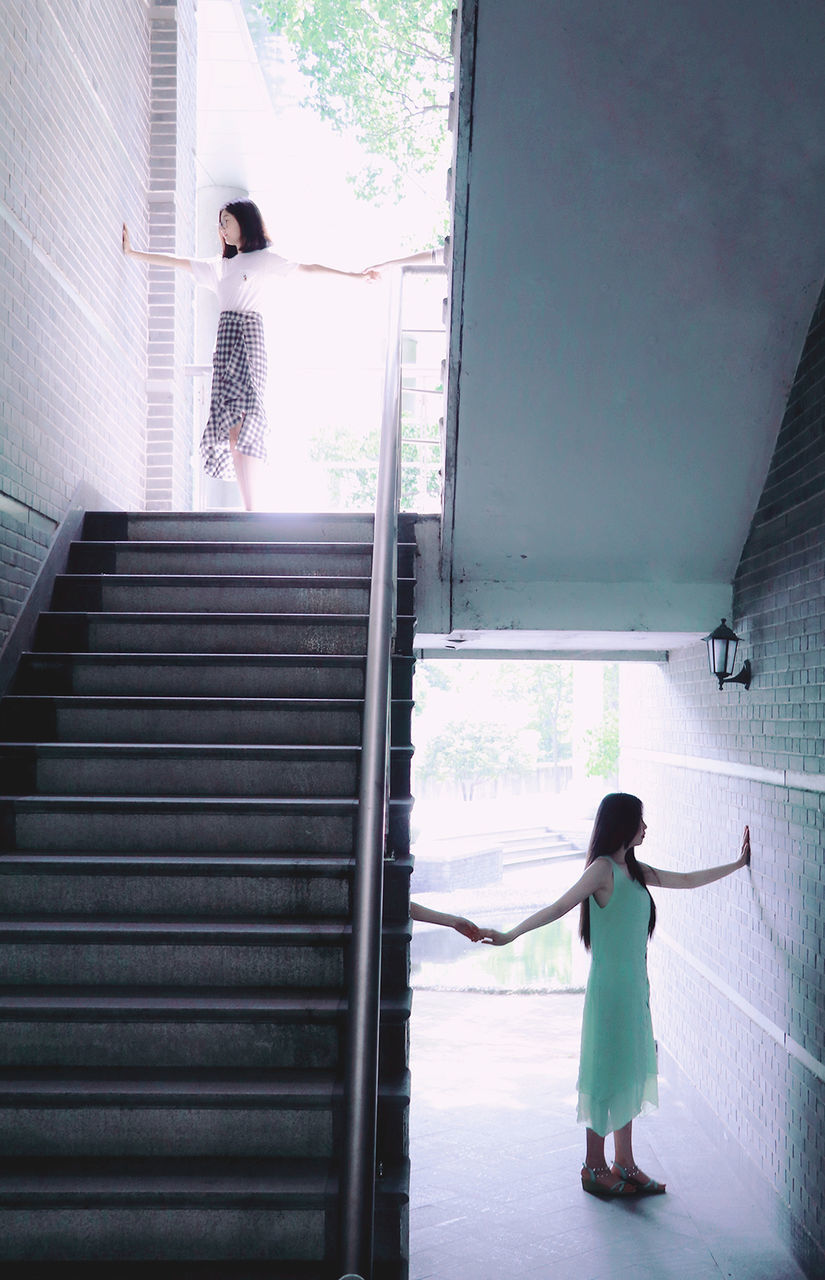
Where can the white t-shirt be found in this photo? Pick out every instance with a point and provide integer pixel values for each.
(241, 282)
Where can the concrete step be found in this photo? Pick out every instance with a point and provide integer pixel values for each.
(181, 1208)
(132, 824)
(396, 1268)
(133, 1027)
(228, 526)
(229, 885)
(198, 952)
(249, 675)
(272, 1114)
(291, 558)
(200, 633)
(302, 559)
(209, 721)
(217, 594)
(263, 721)
(156, 769)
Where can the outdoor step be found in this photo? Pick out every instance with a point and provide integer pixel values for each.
(200, 633)
(154, 769)
(132, 824)
(181, 1208)
(211, 952)
(73, 1026)
(301, 559)
(263, 721)
(249, 675)
(247, 595)
(272, 1114)
(227, 884)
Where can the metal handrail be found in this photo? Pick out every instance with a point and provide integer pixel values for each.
(358, 1165)
(359, 1155)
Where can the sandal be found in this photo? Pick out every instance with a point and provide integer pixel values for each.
(648, 1187)
(591, 1184)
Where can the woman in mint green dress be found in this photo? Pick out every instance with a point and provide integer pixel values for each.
(617, 1068)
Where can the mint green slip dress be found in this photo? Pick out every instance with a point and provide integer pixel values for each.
(617, 1068)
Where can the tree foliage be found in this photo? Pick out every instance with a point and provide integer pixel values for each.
(473, 751)
(548, 688)
(603, 743)
(352, 459)
(380, 68)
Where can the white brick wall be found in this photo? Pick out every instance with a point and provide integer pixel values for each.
(75, 133)
(736, 971)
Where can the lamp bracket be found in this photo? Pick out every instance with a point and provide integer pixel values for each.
(744, 676)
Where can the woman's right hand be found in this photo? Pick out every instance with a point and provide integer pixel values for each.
(745, 852)
(127, 244)
(495, 937)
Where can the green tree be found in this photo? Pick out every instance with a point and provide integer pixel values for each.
(380, 68)
(473, 751)
(603, 743)
(548, 689)
(352, 459)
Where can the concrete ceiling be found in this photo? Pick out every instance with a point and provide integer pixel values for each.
(645, 244)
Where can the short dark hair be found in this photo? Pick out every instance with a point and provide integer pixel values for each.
(618, 818)
(254, 234)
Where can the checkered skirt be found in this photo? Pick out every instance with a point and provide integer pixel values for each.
(238, 381)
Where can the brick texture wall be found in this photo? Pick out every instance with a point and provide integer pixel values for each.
(171, 230)
(76, 145)
(737, 967)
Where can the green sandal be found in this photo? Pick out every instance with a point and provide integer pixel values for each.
(593, 1187)
(649, 1188)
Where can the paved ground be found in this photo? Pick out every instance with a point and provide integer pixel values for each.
(496, 1155)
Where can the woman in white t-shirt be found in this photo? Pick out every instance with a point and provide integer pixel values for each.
(234, 441)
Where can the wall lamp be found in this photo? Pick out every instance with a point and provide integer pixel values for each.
(722, 645)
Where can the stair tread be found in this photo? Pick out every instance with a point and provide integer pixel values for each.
(192, 863)
(187, 1002)
(84, 1086)
(178, 1179)
(188, 864)
(222, 545)
(252, 580)
(189, 928)
(198, 750)
(336, 804)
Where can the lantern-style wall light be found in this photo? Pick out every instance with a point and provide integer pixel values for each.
(722, 645)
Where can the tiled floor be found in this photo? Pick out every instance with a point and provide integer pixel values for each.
(496, 1154)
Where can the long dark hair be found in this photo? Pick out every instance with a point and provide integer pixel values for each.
(617, 820)
(254, 234)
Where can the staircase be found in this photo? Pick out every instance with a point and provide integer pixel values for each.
(180, 762)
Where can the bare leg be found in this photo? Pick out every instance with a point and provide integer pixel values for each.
(249, 472)
(623, 1144)
(595, 1161)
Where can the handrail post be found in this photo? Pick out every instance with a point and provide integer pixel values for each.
(358, 1163)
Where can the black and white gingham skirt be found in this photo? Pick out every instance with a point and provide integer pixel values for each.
(238, 381)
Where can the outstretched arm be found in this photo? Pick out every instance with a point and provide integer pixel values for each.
(428, 256)
(158, 259)
(597, 876)
(317, 268)
(429, 916)
(707, 875)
